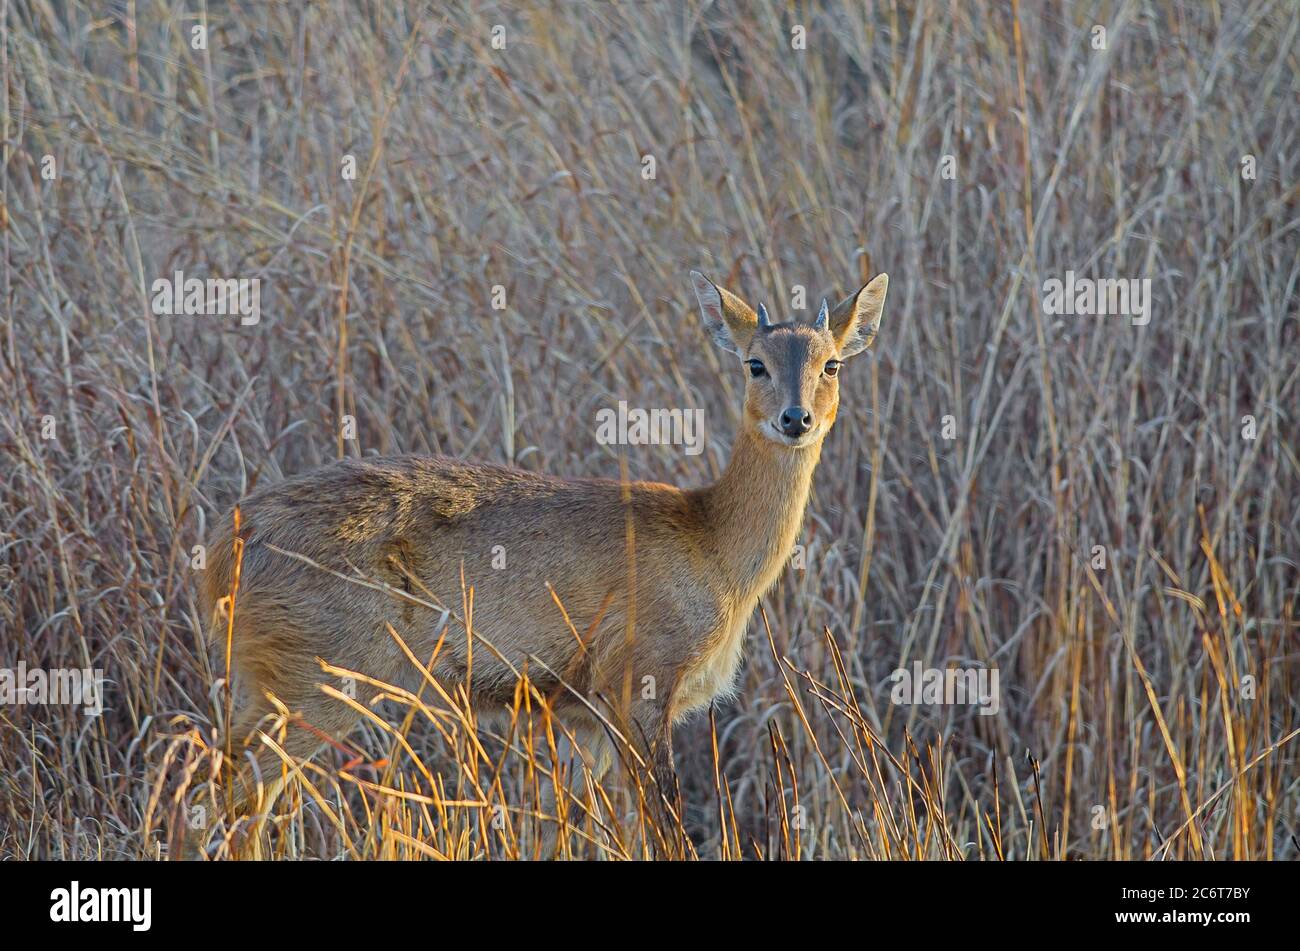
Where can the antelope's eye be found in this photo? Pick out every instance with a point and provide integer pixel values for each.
(832, 367)
(756, 368)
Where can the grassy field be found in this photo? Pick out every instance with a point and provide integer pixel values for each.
(1102, 510)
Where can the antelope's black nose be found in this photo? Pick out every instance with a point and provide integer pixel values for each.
(795, 421)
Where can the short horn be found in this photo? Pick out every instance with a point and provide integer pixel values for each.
(823, 317)
(764, 322)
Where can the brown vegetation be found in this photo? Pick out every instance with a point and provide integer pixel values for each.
(1128, 727)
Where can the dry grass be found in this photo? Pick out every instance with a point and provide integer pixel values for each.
(1121, 688)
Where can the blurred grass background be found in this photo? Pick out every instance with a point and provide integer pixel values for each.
(1125, 730)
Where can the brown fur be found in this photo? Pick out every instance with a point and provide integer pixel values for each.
(660, 581)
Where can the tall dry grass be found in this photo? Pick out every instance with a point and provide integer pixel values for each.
(1127, 728)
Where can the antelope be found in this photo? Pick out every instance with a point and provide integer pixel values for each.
(606, 582)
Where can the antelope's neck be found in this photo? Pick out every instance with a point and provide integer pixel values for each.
(756, 509)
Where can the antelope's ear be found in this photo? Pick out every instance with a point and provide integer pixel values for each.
(728, 319)
(855, 321)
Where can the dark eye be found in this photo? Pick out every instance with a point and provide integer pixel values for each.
(832, 367)
(756, 368)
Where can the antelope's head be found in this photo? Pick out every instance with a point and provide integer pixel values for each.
(792, 368)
